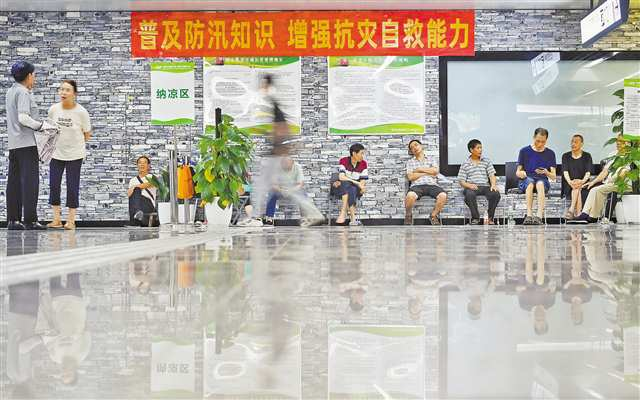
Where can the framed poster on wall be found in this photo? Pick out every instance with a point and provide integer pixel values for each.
(233, 84)
(376, 95)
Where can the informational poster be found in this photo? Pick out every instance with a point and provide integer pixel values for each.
(233, 85)
(245, 366)
(631, 106)
(172, 367)
(376, 96)
(172, 94)
(367, 361)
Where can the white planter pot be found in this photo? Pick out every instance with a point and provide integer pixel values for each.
(164, 213)
(216, 216)
(631, 206)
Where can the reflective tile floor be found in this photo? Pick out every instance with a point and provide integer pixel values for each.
(322, 313)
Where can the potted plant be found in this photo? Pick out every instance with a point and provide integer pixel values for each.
(161, 183)
(628, 185)
(220, 173)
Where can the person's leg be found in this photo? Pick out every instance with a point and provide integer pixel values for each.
(56, 168)
(575, 197)
(470, 199)
(14, 189)
(529, 194)
(30, 181)
(353, 199)
(541, 190)
(441, 200)
(344, 191)
(271, 204)
(73, 190)
(493, 198)
(135, 204)
(409, 202)
(600, 194)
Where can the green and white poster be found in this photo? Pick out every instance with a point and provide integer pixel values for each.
(233, 85)
(376, 95)
(172, 93)
(376, 362)
(631, 106)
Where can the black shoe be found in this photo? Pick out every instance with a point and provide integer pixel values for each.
(35, 226)
(15, 226)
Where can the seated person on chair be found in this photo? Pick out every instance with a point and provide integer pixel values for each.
(594, 205)
(422, 176)
(142, 195)
(576, 170)
(536, 166)
(352, 176)
(288, 181)
(478, 178)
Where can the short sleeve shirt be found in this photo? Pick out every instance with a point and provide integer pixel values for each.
(577, 167)
(135, 182)
(357, 172)
(477, 174)
(73, 123)
(530, 160)
(414, 164)
(19, 100)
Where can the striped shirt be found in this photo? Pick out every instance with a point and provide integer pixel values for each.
(478, 174)
(357, 172)
(414, 164)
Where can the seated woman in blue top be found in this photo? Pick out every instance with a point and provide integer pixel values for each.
(536, 165)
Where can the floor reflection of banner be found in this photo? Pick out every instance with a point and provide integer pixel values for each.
(368, 361)
(248, 368)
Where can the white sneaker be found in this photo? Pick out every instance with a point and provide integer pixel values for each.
(250, 222)
(355, 223)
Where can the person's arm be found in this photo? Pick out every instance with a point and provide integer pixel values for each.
(131, 188)
(588, 167)
(299, 178)
(551, 174)
(24, 110)
(29, 122)
(86, 126)
(491, 171)
(601, 177)
(520, 172)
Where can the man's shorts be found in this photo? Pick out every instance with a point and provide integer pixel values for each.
(526, 181)
(426, 190)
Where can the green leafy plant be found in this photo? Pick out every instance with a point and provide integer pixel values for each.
(223, 163)
(629, 157)
(162, 184)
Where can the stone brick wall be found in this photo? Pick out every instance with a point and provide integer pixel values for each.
(93, 48)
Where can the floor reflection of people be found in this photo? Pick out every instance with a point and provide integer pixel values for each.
(21, 322)
(423, 278)
(576, 289)
(62, 326)
(536, 293)
(346, 273)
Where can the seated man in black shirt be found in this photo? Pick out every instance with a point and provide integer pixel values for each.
(577, 166)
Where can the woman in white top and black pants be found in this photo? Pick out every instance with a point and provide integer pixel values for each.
(75, 131)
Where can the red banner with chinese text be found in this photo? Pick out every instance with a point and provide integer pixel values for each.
(336, 33)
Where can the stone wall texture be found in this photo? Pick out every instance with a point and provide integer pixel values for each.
(93, 48)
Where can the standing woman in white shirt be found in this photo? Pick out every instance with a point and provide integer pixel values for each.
(75, 131)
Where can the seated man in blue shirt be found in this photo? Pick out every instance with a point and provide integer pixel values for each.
(536, 165)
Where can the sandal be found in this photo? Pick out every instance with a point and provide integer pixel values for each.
(54, 224)
(70, 226)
